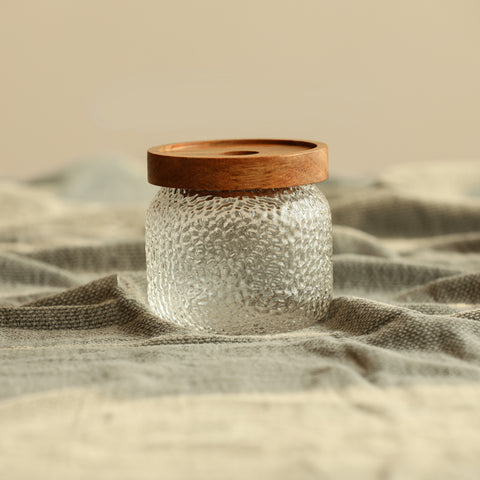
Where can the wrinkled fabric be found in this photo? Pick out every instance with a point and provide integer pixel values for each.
(404, 322)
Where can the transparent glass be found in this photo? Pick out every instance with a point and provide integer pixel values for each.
(240, 262)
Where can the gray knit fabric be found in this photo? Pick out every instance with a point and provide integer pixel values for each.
(73, 310)
(407, 289)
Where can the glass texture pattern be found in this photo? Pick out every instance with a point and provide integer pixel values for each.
(244, 264)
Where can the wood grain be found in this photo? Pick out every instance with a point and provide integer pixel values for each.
(238, 164)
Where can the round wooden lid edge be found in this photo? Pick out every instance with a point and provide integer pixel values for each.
(244, 164)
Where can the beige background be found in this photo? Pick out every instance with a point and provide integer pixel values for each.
(380, 81)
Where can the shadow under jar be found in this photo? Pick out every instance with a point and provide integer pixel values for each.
(238, 239)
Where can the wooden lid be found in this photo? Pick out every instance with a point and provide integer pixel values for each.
(238, 164)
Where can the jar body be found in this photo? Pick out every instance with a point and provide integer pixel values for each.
(239, 262)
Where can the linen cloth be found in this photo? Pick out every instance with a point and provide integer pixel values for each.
(94, 385)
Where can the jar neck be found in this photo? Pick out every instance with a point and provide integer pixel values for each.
(268, 192)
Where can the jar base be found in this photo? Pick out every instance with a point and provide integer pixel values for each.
(248, 321)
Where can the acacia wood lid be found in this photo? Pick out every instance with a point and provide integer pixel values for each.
(238, 164)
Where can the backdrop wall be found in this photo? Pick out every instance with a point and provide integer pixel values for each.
(380, 82)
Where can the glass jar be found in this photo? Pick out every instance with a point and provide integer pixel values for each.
(238, 240)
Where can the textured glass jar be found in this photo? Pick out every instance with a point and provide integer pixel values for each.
(241, 261)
